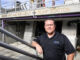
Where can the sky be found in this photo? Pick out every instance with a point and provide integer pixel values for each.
(10, 3)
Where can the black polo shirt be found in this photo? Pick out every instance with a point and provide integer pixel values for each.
(54, 48)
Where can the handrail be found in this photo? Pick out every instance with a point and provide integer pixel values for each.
(14, 48)
(18, 50)
(15, 37)
(6, 58)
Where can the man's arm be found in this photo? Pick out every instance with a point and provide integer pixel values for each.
(70, 56)
(37, 46)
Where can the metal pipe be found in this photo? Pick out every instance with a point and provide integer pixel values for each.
(3, 38)
(6, 58)
(18, 50)
(15, 37)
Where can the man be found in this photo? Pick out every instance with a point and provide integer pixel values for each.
(52, 44)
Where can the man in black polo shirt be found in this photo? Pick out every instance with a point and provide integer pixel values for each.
(52, 44)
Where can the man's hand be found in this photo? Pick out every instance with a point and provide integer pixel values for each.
(39, 49)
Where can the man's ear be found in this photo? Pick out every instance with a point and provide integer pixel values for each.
(55, 26)
(44, 26)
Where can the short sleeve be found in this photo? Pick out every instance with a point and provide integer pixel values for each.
(68, 47)
(37, 40)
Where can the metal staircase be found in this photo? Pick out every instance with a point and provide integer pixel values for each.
(16, 50)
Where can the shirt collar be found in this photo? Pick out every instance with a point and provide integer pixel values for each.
(52, 36)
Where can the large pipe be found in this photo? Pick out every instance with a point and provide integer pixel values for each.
(18, 50)
(15, 37)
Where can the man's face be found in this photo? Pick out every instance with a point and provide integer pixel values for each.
(49, 26)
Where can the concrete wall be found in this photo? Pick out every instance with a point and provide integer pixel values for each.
(70, 31)
(15, 29)
(7, 39)
(28, 32)
(28, 36)
(12, 29)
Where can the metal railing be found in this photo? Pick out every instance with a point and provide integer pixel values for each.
(14, 48)
(14, 37)
(18, 50)
(23, 6)
(27, 5)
